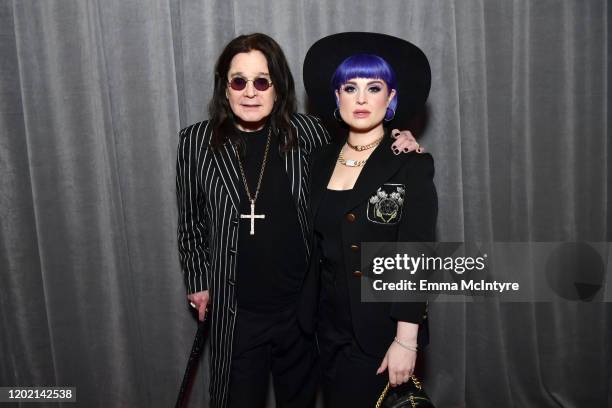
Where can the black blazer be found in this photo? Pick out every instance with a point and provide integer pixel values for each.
(411, 176)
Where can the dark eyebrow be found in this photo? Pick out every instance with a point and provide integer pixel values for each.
(375, 81)
(260, 74)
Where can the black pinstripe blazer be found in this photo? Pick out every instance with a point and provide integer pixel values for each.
(208, 184)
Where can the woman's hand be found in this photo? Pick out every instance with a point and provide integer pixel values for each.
(405, 142)
(400, 363)
(401, 355)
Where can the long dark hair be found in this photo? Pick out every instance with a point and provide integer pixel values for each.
(220, 113)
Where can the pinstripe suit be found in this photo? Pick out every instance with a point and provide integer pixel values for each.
(208, 184)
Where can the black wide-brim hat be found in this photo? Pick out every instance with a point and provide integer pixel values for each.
(407, 60)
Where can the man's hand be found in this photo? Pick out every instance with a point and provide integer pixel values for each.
(200, 300)
(405, 142)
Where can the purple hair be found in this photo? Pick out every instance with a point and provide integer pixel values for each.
(366, 66)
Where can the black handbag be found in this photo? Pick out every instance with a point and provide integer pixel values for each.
(192, 363)
(407, 395)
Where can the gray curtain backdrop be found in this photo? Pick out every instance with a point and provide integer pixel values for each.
(93, 93)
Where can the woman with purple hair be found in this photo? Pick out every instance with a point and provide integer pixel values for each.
(361, 192)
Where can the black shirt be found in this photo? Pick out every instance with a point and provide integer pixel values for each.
(334, 301)
(271, 263)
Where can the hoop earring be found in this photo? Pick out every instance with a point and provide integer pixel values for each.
(337, 115)
(387, 114)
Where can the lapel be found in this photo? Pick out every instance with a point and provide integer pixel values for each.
(226, 159)
(293, 166)
(380, 167)
(322, 173)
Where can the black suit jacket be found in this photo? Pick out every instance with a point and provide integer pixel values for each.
(409, 175)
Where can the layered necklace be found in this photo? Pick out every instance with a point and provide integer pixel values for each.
(359, 148)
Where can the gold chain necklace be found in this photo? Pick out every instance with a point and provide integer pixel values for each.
(361, 148)
(252, 216)
(350, 162)
(357, 163)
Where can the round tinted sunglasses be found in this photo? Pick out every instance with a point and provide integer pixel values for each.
(239, 83)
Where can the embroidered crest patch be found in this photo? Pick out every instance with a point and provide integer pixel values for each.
(385, 206)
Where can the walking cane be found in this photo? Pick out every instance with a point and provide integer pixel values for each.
(192, 362)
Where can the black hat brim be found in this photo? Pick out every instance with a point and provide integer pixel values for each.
(407, 60)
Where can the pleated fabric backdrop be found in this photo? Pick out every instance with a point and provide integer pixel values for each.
(93, 93)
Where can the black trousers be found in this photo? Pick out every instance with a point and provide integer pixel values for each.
(272, 342)
(348, 374)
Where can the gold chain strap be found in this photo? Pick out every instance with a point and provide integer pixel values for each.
(417, 384)
(382, 396)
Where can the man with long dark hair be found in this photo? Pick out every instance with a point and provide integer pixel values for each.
(242, 187)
